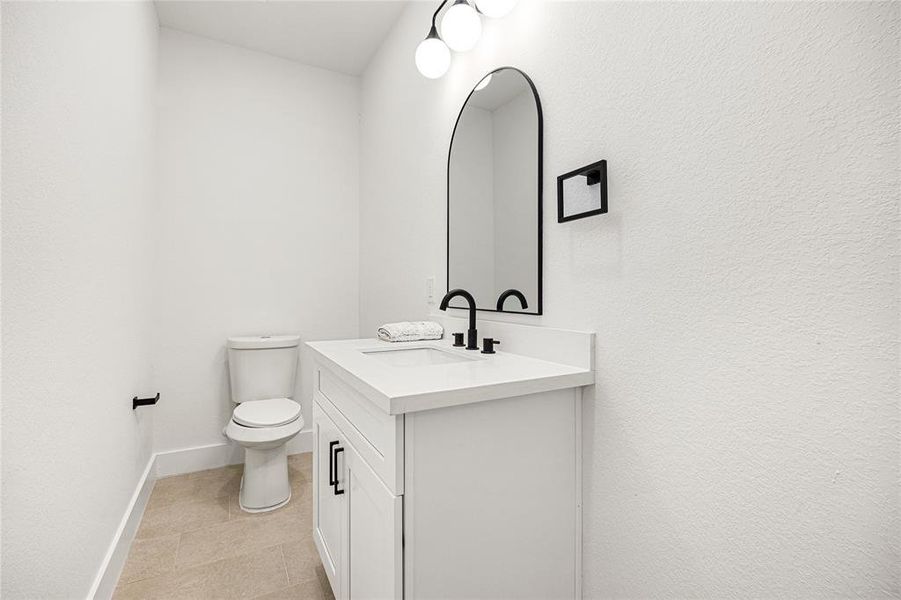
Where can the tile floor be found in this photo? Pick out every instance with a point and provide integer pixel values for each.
(195, 542)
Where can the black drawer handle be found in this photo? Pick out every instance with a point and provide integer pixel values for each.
(335, 485)
(331, 462)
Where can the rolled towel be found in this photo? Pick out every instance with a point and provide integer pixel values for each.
(411, 331)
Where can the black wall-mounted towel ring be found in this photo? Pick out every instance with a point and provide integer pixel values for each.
(136, 402)
(576, 200)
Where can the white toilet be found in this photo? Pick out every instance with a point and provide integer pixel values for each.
(262, 371)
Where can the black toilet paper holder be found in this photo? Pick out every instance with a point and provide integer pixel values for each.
(136, 402)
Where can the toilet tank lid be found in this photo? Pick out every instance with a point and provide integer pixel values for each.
(248, 342)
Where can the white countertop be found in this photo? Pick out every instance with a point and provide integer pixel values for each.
(398, 390)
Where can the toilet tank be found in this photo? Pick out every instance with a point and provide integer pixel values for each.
(262, 367)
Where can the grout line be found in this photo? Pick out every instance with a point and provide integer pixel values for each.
(177, 550)
(281, 549)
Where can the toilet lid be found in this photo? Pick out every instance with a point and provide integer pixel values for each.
(266, 413)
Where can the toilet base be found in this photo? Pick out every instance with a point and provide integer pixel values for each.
(265, 485)
(267, 509)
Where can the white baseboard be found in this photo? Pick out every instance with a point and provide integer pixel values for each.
(199, 458)
(163, 464)
(108, 575)
(213, 456)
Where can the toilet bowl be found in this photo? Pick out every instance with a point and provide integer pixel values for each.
(262, 375)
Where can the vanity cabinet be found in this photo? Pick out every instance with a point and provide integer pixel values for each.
(330, 510)
(472, 498)
(357, 520)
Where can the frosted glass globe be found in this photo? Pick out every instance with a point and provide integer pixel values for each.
(432, 57)
(495, 8)
(461, 27)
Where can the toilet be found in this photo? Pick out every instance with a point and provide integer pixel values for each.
(262, 372)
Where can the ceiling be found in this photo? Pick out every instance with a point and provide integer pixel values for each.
(340, 35)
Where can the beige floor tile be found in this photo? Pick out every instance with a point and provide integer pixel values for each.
(310, 590)
(301, 560)
(247, 576)
(301, 461)
(194, 541)
(182, 516)
(301, 481)
(215, 483)
(149, 558)
(241, 536)
(170, 489)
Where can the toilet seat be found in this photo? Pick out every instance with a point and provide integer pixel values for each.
(272, 412)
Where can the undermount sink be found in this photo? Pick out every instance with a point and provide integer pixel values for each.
(416, 357)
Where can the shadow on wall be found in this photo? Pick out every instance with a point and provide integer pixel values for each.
(596, 246)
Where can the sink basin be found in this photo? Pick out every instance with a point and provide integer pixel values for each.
(415, 357)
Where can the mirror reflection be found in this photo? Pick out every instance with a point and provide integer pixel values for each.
(494, 187)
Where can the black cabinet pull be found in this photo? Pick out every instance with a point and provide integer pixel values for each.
(337, 491)
(331, 462)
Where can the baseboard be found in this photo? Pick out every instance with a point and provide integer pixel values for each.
(108, 575)
(213, 456)
(163, 464)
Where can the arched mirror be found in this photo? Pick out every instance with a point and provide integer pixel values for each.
(494, 194)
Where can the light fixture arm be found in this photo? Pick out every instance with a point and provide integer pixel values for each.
(435, 16)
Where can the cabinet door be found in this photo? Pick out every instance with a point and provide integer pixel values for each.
(329, 500)
(375, 553)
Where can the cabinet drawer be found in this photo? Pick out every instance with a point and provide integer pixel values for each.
(377, 436)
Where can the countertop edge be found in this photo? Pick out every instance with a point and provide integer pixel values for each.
(399, 405)
(446, 398)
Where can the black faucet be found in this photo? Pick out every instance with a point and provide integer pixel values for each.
(472, 336)
(507, 294)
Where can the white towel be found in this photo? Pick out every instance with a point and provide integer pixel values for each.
(411, 331)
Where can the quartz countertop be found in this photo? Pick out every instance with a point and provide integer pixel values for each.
(402, 389)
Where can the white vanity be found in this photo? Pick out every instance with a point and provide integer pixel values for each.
(446, 473)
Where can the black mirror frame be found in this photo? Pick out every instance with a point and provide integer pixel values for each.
(539, 304)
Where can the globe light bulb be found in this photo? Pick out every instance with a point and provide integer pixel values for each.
(495, 9)
(484, 83)
(461, 27)
(432, 56)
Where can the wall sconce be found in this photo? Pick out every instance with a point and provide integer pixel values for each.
(461, 28)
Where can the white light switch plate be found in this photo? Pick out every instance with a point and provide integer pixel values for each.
(430, 290)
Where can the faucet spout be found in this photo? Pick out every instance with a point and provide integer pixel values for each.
(511, 292)
(472, 335)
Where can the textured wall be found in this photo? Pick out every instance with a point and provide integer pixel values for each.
(78, 87)
(258, 191)
(743, 436)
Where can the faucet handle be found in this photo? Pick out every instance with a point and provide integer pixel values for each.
(488, 345)
(458, 339)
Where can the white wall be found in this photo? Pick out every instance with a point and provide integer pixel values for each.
(78, 86)
(258, 194)
(743, 436)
